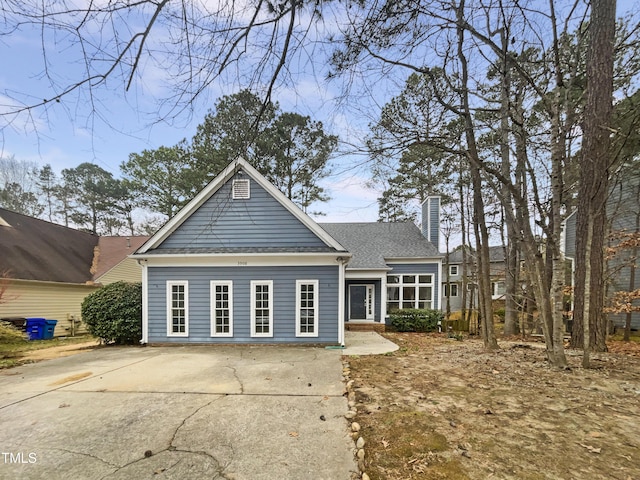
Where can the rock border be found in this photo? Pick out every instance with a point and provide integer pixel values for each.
(356, 434)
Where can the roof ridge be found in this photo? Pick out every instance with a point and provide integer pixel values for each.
(54, 224)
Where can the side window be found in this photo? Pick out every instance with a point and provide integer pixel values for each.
(177, 309)
(222, 309)
(262, 308)
(307, 308)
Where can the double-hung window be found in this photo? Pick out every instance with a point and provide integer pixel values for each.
(307, 308)
(262, 308)
(221, 308)
(451, 290)
(409, 291)
(177, 309)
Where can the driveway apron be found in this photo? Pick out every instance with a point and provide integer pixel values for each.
(245, 412)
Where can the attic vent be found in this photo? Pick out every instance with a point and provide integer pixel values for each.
(241, 189)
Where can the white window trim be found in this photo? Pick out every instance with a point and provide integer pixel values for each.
(451, 268)
(447, 291)
(214, 284)
(170, 285)
(316, 298)
(254, 284)
(416, 285)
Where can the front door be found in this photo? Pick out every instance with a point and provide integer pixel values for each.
(361, 302)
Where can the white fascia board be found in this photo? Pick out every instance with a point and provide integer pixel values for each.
(399, 260)
(241, 261)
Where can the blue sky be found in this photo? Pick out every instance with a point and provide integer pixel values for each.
(71, 132)
(68, 134)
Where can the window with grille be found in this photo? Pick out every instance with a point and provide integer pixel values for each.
(307, 308)
(409, 291)
(221, 309)
(261, 308)
(178, 309)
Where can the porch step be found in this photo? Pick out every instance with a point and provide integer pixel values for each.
(365, 327)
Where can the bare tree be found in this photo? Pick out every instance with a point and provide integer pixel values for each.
(190, 43)
(591, 225)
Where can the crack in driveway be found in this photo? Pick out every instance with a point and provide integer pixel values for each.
(235, 374)
(299, 429)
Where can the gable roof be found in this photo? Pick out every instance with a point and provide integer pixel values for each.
(111, 251)
(372, 243)
(496, 254)
(35, 249)
(238, 165)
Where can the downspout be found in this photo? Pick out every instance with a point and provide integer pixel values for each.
(440, 287)
(145, 303)
(341, 294)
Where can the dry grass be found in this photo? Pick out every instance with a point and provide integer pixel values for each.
(15, 353)
(441, 409)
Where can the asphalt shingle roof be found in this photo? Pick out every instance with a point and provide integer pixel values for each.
(371, 243)
(113, 250)
(33, 249)
(496, 254)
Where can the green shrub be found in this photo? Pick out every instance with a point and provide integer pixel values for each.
(114, 313)
(11, 334)
(416, 320)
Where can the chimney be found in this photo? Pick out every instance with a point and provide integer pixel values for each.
(431, 220)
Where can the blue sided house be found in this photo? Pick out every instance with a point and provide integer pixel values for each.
(241, 263)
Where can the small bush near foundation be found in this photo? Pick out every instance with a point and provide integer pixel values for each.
(114, 313)
(416, 320)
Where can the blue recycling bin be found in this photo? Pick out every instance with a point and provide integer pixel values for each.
(36, 328)
(49, 328)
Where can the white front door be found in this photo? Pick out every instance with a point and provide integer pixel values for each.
(361, 302)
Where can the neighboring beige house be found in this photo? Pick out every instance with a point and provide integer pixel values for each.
(49, 269)
(111, 262)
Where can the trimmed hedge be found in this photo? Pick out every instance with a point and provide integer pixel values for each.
(114, 313)
(416, 320)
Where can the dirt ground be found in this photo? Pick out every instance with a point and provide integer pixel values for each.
(445, 409)
(57, 352)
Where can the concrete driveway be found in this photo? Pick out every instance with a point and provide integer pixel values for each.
(177, 413)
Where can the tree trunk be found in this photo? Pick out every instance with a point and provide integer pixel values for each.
(538, 278)
(554, 258)
(594, 176)
(510, 263)
(586, 327)
(465, 265)
(480, 225)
